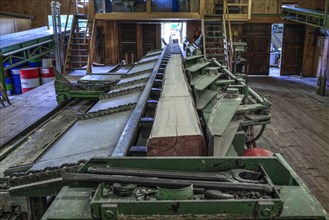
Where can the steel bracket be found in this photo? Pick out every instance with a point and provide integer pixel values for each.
(264, 210)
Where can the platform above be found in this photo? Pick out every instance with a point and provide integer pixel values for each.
(310, 17)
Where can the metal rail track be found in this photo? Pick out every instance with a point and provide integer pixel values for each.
(118, 114)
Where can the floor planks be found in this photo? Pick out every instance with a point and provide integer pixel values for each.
(25, 110)
(299, 130)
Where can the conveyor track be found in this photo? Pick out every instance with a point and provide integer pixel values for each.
(29, 146)
(109, 128)
(98, 132)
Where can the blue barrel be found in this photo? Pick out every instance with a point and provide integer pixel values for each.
(34, 62)
(16, 81)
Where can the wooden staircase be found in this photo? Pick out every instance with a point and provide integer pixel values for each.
(238, 10)
(216, 42)
(78, 45)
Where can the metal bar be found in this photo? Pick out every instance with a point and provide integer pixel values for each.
(228, 176)
(67, 21)
(162, 182)
(250, 90)
(25, 58)
(230, 55)
(26, 48)
(131, 128)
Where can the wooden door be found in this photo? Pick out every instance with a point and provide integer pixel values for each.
(292, 49)
(258, 38)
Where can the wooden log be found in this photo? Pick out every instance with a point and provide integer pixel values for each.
(176, 130)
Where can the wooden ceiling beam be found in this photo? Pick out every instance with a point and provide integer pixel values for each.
(155, 16)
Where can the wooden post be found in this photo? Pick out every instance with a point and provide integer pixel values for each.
(91, 48)
(224, 9)
(249, 9)
(91, 10)
(132, 58)
(202, 7)
(158, 36)
(203, 30)
(139, 41)
(126, 58)
(148, 6)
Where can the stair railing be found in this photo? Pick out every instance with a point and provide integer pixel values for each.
(67, 55)
(229, 45)
(244, 15)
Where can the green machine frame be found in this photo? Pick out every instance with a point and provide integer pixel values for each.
(291, 199)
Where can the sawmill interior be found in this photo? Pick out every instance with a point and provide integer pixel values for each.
(164, 109)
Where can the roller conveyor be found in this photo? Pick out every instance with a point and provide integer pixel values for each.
(98, 136)
(18, 40)
(93, 173)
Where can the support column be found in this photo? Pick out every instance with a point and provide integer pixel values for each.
(139, 41)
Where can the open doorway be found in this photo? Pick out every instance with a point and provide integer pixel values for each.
(276, 49)
(173, 31)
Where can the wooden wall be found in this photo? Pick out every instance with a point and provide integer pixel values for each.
(38, 8)
(41, 8)
(107, 45)
(274, 6)
(11, 25)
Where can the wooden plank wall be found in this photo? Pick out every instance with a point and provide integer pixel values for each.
(38, 8)
(11, 25)
(109, 46)
(309, 57)
(41, 8)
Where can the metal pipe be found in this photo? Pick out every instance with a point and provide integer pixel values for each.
(228, 176)
(167, 183)
(231, 75)
(26, 48)
(258, 136)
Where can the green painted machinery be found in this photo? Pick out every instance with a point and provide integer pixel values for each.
(100, 177)
(88, 87)
(260, 193)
